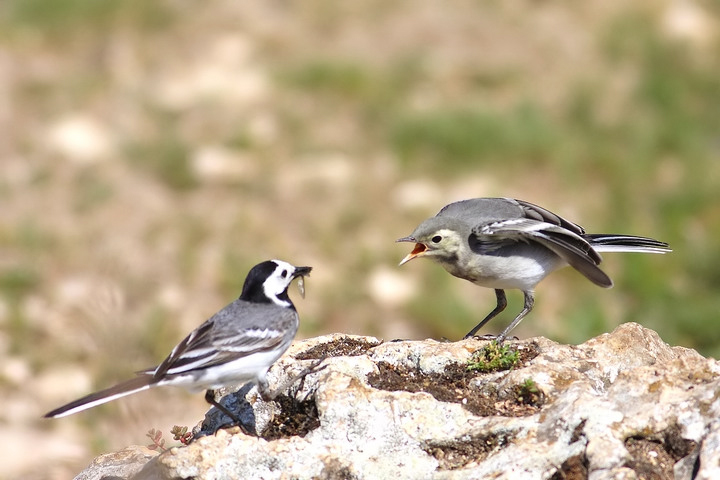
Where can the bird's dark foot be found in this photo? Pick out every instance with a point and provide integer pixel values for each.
(487, 336)
(500, 339)
(269, 395)
(313, 368)
(210, 398)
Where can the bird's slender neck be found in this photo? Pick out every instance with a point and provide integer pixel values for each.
(282, 299)
(258, 293)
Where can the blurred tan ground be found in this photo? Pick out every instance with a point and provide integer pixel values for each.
(112, 253)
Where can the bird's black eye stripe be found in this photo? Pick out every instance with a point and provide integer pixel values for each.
(436, 239)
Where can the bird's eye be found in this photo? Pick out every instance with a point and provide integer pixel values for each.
(284, 274)
(436, 239)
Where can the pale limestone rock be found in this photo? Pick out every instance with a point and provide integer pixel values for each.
(123, 464)
(617, 406)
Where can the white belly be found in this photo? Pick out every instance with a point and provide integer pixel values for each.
(506, 272)
(240, 371)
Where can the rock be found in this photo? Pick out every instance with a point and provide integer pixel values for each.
(118, 465)
(622, 405)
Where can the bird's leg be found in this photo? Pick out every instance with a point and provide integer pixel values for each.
(210, 398)
(269, 395)
(501, 304)
(529, 303)
(264, 389)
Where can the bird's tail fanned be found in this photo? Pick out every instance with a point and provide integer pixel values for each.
(626, 243)
(137, 384)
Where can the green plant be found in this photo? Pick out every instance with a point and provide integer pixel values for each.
(493, 357)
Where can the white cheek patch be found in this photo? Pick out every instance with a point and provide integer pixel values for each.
(273, 287)
(276, 283)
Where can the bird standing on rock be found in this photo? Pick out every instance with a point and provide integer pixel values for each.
(238, 344)
(503, 243)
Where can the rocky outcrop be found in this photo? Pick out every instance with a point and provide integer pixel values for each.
(622, 405)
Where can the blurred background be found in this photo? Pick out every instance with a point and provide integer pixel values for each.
(152, 152)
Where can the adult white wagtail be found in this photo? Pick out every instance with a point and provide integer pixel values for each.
(236, 345)
(503, 243)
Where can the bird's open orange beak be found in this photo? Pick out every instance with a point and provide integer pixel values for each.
(418, 251)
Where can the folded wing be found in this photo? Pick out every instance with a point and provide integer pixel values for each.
(567, 244)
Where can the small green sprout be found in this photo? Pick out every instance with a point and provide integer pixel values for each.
(528, 392)
(530, 386)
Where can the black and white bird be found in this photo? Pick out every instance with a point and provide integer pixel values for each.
(503, 243)
(236, 345)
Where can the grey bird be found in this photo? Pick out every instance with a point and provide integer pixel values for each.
(503, 243)
(237, 345)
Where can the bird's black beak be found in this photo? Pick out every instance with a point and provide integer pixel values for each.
(301, 272)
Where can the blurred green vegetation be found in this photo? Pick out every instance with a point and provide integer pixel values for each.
(350, 108)
(458, 137)
(16, 284)
(167, 159)
(65, 18)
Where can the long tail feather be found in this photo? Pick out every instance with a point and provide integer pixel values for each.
(128, 387)
(626, 243)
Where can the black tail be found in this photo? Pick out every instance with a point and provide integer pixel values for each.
(142, 382)
(626, 243)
